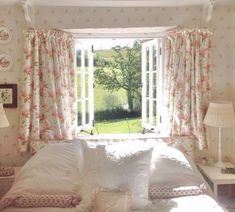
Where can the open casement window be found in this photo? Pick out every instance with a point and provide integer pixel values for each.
(84, 55)
(152, 85)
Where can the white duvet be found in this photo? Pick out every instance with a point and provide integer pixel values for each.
(45, 171)
(200, 203)
(56, 170)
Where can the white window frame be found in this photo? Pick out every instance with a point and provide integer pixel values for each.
(148, 119)
(147, 125)
(86, 124)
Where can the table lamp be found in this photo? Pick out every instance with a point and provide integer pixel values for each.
(3, 118)
(220, 114)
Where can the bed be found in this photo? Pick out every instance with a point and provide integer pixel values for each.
(57, 171)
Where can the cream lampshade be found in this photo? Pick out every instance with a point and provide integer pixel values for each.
(3, 118)
(220, 114)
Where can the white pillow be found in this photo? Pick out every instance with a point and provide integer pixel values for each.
(171, 169)
(104, 167)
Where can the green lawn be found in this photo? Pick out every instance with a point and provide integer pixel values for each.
(119, 126)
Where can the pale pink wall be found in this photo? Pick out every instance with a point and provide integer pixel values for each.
(12, 17)
(74, 17)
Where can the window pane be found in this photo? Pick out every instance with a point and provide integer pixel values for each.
(79, 86)
(79, 58)
(86, 85)
(147, 111)
(154, 85)
(87, 111)
(155, 113)
(147, 59)
(86, 61)
(147, 85)
(154, 58)
(79, 114)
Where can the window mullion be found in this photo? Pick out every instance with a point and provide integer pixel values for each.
(91, 82)
(159, 83)
(144, 101)
(83, 87)
(151, 85)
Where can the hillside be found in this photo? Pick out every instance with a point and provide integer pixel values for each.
(104, 53)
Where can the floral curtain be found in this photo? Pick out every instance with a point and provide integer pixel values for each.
(188, 82)
(48, 93)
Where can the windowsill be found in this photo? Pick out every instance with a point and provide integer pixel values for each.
(121, 136)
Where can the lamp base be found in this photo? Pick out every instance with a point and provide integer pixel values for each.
(220, 164)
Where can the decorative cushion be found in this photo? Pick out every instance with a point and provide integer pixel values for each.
(111, 200)
(114, 166)
(5, 202)
(36, 201)
(6, 171)
(156, 192)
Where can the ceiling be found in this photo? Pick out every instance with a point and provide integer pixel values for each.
(120, 3)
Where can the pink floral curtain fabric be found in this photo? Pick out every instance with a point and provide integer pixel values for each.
(188, 82)
(48, 95)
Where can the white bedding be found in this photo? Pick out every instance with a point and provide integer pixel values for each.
(58, 163)
(54, 170)
(198, 203)
(45, 171)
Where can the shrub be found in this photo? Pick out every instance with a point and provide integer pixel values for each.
(116, 113)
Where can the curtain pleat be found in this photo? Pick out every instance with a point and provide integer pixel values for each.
(48, 93)
(188, 82)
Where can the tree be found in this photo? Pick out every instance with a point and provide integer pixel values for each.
(122, 70)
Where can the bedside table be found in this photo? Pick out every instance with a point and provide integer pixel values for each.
(6, 182)
(214, 175)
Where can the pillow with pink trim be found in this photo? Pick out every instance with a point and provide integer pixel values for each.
(37, 201)
(172, 174)
(159, 192)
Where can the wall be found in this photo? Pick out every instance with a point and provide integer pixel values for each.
(223, 79)
(12, 17)
(74, 17)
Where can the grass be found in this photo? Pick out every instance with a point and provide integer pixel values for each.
(119, 126)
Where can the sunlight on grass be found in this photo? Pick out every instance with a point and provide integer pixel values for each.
(119, 126)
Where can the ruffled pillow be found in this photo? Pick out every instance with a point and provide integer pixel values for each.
(111, 200)
(118, 165)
